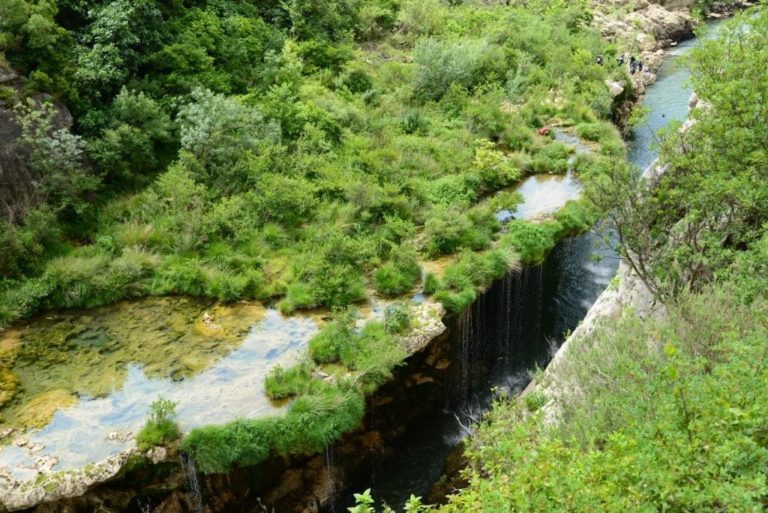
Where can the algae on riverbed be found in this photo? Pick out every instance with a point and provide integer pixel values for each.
(49, 363)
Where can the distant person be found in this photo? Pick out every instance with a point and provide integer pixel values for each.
(631, 68)
(632, 61)
(599, 60)
(620, 60)
(640, 66)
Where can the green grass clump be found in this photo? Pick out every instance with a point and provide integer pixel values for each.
(448, 230)
(575, 217)
(431, 284)
(313, 422)
(532, 241)
(397, 276)
(472, 272)
(552, 158)
(326, 346)
(282, 383)
(160, 428)
(373, 353)
(397, 318)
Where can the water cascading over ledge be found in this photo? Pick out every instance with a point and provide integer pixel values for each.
(496, 342)
(509, 331)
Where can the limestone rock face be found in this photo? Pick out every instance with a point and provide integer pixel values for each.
(52, 486)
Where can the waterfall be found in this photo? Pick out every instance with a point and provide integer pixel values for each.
(331, 476)
(466, 353)
(193, 483)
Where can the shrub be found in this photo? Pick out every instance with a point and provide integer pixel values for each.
(397, 318)
(441, 64)
(399, 275)
(531, 240)
(448, 230)
(160, 428)
(496, 170)
(553, 158)
(455, 302)
(327, 344)
(373, 354)
(431, 284)
(575, 217)
(592, 131)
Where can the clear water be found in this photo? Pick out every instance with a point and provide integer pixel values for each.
(87, 374)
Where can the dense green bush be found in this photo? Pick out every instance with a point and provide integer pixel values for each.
(282, 383)
(399, 275)
(532, 241)
(326, 346)
(397, 318)
(465, 63)
(431, 284)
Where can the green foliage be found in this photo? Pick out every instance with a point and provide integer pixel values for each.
(397, 318)
(441, 64)
(553, 158)
(248, 150)
(662, 408)
(283, 383)
(448, 230)
(532, 241)
(312, 422)
(160, 428)
(431, 284)
(399, 275)
(363, 503)
(496, 170)
(326, 346)
(470, 273)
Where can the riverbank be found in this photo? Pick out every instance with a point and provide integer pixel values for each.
(464, 299)
(580, 410)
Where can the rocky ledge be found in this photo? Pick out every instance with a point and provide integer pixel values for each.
(40, 483)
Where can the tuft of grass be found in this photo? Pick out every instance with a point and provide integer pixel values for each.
(326, 346)
(431, 284)
(160, 428)
(283, 383)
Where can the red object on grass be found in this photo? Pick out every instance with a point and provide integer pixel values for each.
(544, 130)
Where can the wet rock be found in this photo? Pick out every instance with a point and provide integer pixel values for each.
(46, 462)
(615, 88)
(157, 454)
(51, 486)
(426, 324)
(119, 436)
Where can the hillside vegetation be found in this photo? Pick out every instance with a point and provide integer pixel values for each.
(301, 151)
(666, 414)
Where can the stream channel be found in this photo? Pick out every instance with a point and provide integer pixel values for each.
(522, 320)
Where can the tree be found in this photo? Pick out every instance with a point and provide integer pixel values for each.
(709, 201)
(221, 132)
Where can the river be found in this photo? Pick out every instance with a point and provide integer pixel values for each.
(523, 319)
